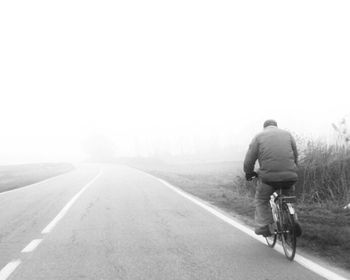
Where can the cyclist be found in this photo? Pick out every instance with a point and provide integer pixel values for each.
(275, 150)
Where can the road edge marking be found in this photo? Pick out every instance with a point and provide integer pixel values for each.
(9, 269)
(65, 209)
(32, 246)
(309, 264)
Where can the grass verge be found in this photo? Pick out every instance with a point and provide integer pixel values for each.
(17, 176)
(326, 227)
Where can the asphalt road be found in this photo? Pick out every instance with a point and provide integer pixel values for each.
(126, 225)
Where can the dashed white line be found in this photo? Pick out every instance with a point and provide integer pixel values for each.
(11, 267)
(65, 209)
(318, 269)
(32, 246)
(8, 269)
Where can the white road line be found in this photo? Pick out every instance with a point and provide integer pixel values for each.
(65, 209)
(8, 269)
(326, 273)
(32, 246)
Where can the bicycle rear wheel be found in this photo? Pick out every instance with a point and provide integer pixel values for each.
(289, 240)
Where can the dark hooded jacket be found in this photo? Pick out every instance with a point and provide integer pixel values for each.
(276, 152)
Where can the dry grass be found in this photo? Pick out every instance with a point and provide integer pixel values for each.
(16, 176)
(324, 174)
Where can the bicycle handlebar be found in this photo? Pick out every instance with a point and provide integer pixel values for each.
(251, 176)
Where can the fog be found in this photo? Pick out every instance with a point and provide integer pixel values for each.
(167, 77)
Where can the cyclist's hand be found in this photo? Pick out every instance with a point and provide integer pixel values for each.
(250, 176)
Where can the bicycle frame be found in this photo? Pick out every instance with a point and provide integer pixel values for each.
(277, 200)
(284, 216)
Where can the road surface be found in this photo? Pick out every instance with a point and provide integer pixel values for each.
(119, 223)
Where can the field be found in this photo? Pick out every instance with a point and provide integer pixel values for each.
(326, 227)
(16, 176)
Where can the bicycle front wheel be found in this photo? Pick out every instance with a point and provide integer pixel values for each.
(289, 240)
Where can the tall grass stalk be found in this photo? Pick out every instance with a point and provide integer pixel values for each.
(324, 173)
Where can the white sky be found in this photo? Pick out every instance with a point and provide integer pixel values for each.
(171, 74)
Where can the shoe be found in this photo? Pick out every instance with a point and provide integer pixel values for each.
(264, 231)
(297, 229)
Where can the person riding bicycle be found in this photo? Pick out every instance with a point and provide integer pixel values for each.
(276, 151)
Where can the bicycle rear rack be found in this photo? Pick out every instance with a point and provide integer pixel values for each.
(289, 199)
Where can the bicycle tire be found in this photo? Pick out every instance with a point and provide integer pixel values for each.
(289, 240)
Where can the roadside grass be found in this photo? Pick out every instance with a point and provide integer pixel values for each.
(324, 173)
(326, 226)
(17, 176)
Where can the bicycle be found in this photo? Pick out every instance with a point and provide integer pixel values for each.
(284, 217)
